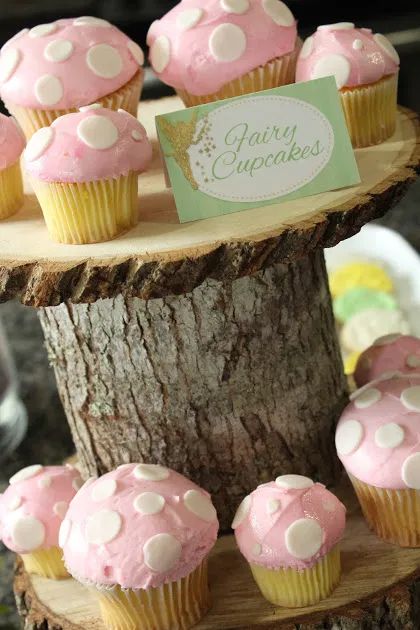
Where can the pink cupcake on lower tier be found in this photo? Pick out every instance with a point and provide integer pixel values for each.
(140, 536)
(289, 531)
(377, 440)
(12, 144)
(389, 354)
(31, 512)
(210, 50)
(365, 67)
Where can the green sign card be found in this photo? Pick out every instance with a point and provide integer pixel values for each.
(258, 149)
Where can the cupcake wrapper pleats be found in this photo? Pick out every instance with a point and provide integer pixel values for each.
(11, 190)
(46, 562)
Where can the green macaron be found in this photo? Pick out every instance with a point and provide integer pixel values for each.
(360, 298)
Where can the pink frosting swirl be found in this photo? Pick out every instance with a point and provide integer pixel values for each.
(67, 63)
(201, 45)
(92, 144)
(377, 436)
(289, 523)
(392, 353)
(12, 141)
(354, 56)
(33, 506)
(139, 526)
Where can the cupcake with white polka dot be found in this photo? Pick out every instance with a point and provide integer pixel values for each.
(84, 170)
(53, 69)
(210, 50)
(392, 353)
(289, 531)
(365, 67)
(377, 440)
(32, 509)
(12, 143)
(140, 536)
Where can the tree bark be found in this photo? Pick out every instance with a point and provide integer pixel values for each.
(231, 384)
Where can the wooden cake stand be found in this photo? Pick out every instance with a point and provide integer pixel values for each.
(210, 347)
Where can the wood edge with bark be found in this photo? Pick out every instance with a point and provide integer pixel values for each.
(46, 284)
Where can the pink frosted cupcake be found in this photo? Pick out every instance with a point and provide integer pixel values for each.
(393, 353)
(210, 50)
(378, 444)
(289, 531)
(365, 67)
(140, 537)
(12, 144)
(32, 509)
(84, 170)
(53, 69)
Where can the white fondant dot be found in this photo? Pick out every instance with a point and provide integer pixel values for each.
(44, 482)
(77, 483)
(357, 44)
(42, 30)
(307, 48)
(103, 490)
(332, 64)
(151, 472)
(189, 18)
(200, 505)
(410, 471)
(97, 132)
(48, 90)
(136, 51)
(64, 532)
(294, 482)
(58, 50)
(279, 12)
(413, 361)
(102, 527)
(272, 506)
(337, 26)
(9, 61)
(60, 508)
(27, 533)
(389, 435)
(14, 38)
(241, 512)
(162, 552)
(256, 549)
(386, 339)
(88, 108)
(410, 398)
(329, 505)
(25, 473)
(14, 503)
(227, 42)
(104, 61)
(348, 437)
(88, 20)
(77, 542)
(136, 135)
(149, 503)
(160, 53)
(367, 398)
(387, 47)
(235, 6)
(303, 538)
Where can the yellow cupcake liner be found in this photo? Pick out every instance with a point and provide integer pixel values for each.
(88, 212)
(292, 588)
(11, 190)
(127, 97)
(175, 606)
(280, 71)
(350, 362)
(46, 562)
(393, 515)
(359, 274)
(371, 111)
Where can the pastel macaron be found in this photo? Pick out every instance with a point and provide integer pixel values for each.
(52, 69)
(140, 535)
(289, 531)
(12, 143)
(392, 353)
(32, 509)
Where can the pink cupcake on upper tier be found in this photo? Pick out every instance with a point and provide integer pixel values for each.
(140, 537)
(289, 531)
(389, 354)
(53, 69)
(365, 67)
(377, 440)
(84, 170)
(31, 511)
(12, 144)
(210, 50)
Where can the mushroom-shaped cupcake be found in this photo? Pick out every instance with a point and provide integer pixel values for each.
(392, 353)
(12, 144)
(140, 536)
(210, 50)
(365, 67)
(377, 440)
(32, 509)
(84, 170)
(53, 69)
(289, 531)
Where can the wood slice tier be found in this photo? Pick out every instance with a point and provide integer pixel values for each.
(162, 257)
